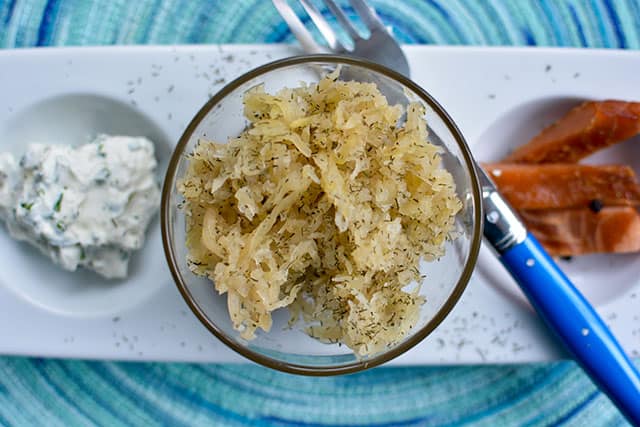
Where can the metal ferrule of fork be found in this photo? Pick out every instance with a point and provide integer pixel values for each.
(502, 227)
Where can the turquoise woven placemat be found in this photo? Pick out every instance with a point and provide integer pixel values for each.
(60, 392)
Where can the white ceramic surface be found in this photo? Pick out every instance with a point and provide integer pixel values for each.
(498, 96)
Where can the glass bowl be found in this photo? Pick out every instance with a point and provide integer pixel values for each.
(290, 349)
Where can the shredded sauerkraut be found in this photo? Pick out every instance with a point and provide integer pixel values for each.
(324, 204)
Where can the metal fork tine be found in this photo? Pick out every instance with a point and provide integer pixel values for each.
(323, 26)
(368, 15)
(297, 27)
(380, 47)
(342, 19)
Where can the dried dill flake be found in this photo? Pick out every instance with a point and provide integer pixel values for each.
(322, 205)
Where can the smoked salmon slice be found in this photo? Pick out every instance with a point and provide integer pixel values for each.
(585, 129)
(553, 186)
(580, 231)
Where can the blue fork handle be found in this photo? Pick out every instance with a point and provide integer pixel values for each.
(577, 324)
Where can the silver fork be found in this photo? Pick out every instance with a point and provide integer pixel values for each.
(379, 47)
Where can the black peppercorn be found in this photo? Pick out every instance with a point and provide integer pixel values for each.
(596, 205)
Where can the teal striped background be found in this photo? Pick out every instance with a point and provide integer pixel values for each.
(68, 393)
(585, 23)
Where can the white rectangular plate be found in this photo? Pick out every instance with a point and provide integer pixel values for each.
(498, 96)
